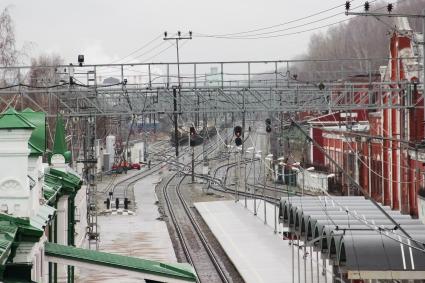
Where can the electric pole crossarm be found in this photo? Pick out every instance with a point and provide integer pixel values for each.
(384, 15)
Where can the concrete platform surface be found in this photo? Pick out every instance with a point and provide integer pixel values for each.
(140, 235)
(259, 254)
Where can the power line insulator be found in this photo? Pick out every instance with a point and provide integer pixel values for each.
(347, 5)
(366, 6)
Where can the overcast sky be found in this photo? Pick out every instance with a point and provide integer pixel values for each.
(106, 30)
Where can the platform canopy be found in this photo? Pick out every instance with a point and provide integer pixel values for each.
(358, 237)
(128, 266)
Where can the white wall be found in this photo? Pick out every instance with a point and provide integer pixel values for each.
(33, 253)
(314, 181)
(99, 150)
(35, 170)
(137, 152)
(14, 183)
(110, 148)
(80, 217)
(62, 220)
(421, 209)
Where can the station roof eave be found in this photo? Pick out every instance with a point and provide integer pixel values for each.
(148, 269)
(51, 187)
(69, 181)
(7, 235)
(366, 244)
(32, 228)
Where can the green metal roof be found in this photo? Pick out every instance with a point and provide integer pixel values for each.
(51, 187)
(68, 180)
(8, 232)
(13, 120)
(177, 271)
(24, 226)
(44, 214)
(37, 142)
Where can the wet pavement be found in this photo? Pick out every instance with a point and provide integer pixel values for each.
(141, 235)
(272, 260)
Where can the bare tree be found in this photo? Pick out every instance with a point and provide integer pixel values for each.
(359, 38)
(40, 75)
(8, 50)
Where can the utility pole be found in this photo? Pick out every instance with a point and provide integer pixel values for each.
(176, 125)
(177, 39)
(90, 162)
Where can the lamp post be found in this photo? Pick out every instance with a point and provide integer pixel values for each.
(238, 172)
(269, 157)
(249, 150)
(276, 176)
(298, 169)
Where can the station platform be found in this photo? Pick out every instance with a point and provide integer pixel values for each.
(140, 235)
(259, 254)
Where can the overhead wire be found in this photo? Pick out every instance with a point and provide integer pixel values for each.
(277, 25)
(254, 37)
(138, 49)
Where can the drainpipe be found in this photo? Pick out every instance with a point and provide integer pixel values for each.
(71, 232)
(55, 240)
(50, 279)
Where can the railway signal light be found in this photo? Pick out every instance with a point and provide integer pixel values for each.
(80, 60)
(390, 7)
(268, 125)
(192, 132)
(238, 133)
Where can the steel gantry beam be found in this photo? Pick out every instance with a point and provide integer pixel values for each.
(249, 86)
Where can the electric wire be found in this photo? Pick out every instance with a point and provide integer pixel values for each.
(253, 37)
(277, 25)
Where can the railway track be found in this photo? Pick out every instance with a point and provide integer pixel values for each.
(199, 246)
(121, 188)
(195, 244)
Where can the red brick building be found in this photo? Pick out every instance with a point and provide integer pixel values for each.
(382, 150)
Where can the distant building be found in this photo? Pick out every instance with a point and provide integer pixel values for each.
(111, 81)
(213, 78)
